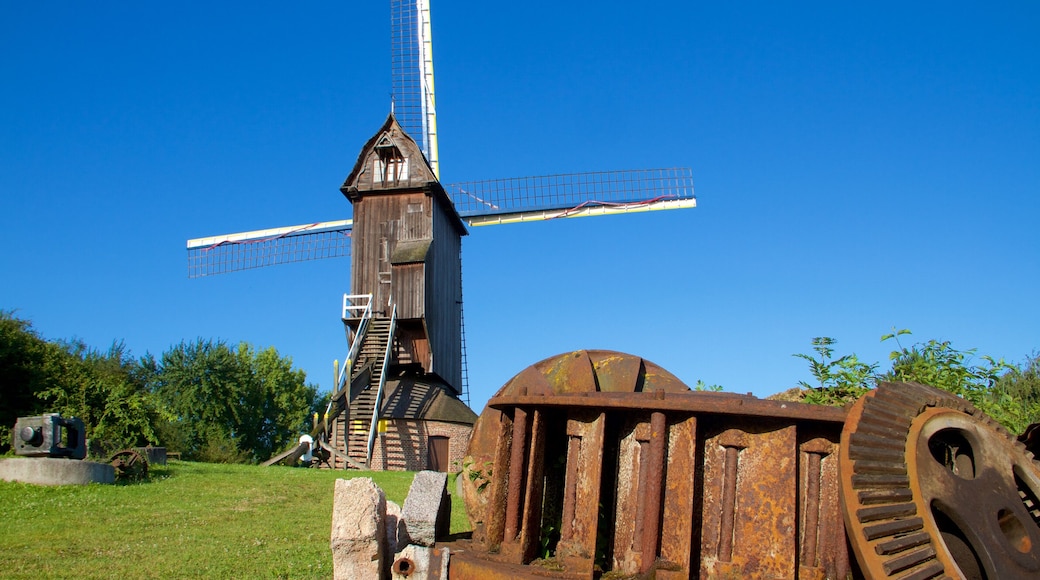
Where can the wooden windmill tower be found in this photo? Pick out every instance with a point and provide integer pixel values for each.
(398, 400)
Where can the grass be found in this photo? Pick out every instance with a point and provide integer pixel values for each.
(190, 520)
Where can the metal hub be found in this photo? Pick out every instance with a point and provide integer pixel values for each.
(932, 487)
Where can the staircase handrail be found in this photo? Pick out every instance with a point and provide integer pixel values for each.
(355, 345)
(343, 380)
(350, 307)
(382, 384)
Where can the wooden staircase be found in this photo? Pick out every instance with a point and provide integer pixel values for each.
(353, 427)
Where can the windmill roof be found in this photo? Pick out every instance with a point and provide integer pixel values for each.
(432, 186)
(424, 397)
(390, 123)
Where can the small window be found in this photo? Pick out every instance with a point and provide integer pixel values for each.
(391, 167)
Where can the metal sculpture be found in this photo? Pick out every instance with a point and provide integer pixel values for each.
(50, 435)
(602, 462)
(599, 464)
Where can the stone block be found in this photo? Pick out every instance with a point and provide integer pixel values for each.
(358, 530)
(396, 538)
(427, 509)
(420, 563)
(55, 471)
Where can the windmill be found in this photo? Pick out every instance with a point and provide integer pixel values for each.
(397, 402)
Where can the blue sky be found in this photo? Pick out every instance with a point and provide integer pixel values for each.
(858, 168)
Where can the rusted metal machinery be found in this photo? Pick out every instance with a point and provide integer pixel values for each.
(599, 464)
(934, 488)
(129, 465)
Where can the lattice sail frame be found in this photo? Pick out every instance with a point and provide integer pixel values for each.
(544, 197)
(490, 202)
(411, 68)
(262, 248)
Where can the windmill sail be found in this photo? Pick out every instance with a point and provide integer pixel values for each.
(261, 248)
(478, 203)
(518, 199)
(411, 66)
(496, 201)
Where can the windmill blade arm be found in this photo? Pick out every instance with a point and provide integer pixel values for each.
(585, 210)
(260, 248)
(572, 195)
(411, 67)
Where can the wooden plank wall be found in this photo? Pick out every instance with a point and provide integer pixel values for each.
(380, 221)
(444, 294)
(430, 290)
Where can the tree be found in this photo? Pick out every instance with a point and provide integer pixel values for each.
(127, 413)
(278, 397)
(202, 398)
(231, 405)
(109, 391)
(23, 361)
(199, 383)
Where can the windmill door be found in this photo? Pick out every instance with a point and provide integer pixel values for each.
(387, 241)
(438, 454)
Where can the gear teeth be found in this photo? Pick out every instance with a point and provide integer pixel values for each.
(902, 543)
(876, 496)
(885, 515)
(892, 531)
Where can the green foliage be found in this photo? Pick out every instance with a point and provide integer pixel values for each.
(204, 399)
(1017, 396)
(229, 405)
(702, 386)
(1006, 392)
(23, 359)
(938, 364)
(109, 392)
(281, 401)
(480, 477)
(840, 380)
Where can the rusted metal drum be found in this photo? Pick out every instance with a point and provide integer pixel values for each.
(575, 373)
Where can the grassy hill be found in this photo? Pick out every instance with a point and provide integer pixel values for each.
(191, 520)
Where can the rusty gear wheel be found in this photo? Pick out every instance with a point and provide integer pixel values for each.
(933, 488)
(129, 465)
